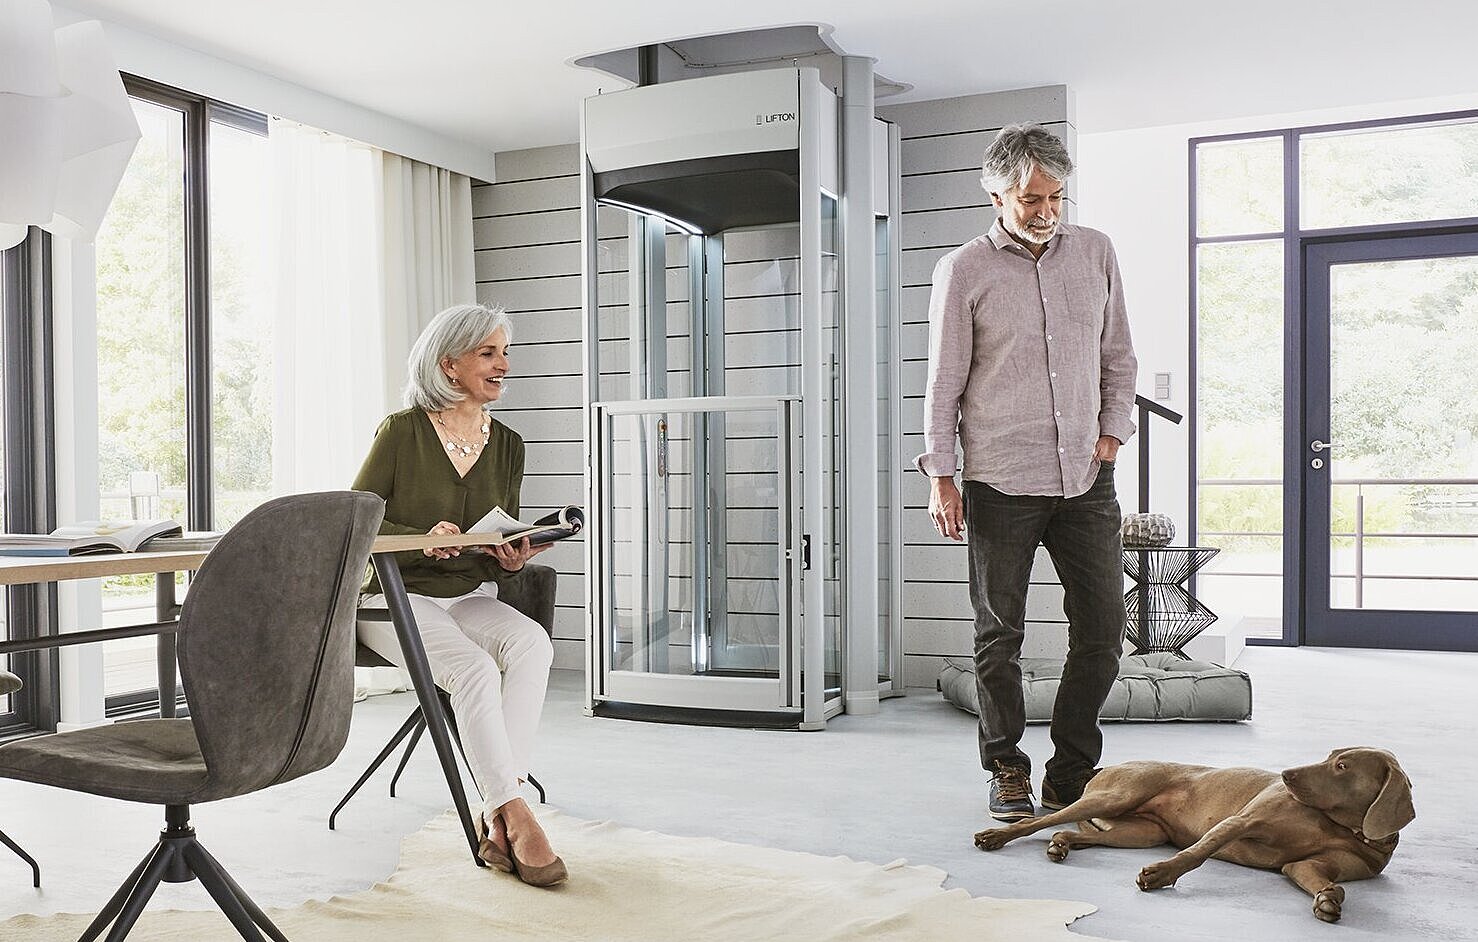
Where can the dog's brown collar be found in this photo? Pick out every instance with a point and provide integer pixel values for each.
(1383, 844)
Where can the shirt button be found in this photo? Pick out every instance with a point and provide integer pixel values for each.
(1054, 375)
(1059, 451)
(1058, 414)
(1049, 336)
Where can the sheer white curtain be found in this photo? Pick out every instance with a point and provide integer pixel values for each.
(427, 260)
(330, 311)
(368, 246)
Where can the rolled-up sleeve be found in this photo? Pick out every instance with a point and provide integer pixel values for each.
(1118, 367)
(951, 342)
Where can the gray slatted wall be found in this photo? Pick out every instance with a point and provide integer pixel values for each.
(526, 232)
(945, 207)
(527, 237)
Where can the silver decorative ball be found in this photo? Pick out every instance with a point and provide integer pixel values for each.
(1147, 530)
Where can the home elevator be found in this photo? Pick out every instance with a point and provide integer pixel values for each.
(740, 327)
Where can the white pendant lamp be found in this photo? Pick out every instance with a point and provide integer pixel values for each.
(66, 121)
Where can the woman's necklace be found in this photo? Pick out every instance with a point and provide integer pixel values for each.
(457, 445)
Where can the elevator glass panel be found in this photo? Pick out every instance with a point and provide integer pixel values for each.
(669, 575)
(682, 314)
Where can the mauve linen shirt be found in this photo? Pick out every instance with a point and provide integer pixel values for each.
(1030, 362)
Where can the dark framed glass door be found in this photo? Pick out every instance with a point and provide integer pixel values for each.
(1389, 460)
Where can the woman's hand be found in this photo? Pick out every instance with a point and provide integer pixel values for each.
(512, 556)
(443, 552)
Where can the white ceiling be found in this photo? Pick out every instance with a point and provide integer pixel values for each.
(498, 75)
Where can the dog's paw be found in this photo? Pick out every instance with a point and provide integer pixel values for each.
(992, 839)
(1329, 902)
(1157, 876)
(1059, 846)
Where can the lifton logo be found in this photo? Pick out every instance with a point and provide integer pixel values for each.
(772, 118)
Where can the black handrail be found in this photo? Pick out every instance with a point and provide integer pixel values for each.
(1146, 407)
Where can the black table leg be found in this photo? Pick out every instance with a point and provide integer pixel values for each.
(415, 663)
(165, 610)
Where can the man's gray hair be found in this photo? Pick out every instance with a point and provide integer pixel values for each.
(456, 331)
(1016, 150)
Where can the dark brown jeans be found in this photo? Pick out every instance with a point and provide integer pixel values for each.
(1081, 535)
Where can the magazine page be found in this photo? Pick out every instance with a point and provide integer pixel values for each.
(87, 537)
(556, 526)
(498, 523)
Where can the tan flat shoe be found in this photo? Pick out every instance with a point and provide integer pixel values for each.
(549, 874)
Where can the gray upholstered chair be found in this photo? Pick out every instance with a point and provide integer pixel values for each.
(266, 652)
(9, 684)
(531, 591)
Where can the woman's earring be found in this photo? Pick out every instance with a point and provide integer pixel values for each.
(454, 380)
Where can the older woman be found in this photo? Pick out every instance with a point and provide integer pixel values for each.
(441, 465)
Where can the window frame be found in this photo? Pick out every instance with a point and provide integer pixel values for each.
(30, 472)
(199, 112)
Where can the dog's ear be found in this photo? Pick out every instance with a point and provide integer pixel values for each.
(1392, 809)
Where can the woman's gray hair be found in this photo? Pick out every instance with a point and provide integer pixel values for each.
(1016, 150)
(458, 330)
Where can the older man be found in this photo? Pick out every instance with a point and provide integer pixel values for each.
(1032, 368)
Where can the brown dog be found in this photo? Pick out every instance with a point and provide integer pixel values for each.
(1319, 824)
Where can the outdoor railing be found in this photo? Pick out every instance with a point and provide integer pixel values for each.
(1359, 535)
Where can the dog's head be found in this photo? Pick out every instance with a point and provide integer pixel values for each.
(1359, 787)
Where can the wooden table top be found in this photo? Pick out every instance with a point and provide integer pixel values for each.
(22, 570)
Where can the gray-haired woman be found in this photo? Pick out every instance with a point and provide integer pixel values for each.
(441, 465)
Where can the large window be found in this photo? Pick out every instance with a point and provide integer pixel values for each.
(1238, 279)
(184, 342)
(1403, 473)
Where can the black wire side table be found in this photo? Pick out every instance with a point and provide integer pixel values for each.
(1162, 613)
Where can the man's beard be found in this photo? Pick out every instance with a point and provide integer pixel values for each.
(1036, 236)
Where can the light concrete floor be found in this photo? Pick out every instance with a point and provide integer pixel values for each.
(904, 784)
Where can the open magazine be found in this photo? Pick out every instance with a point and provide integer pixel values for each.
(79, 539)
(501, 528)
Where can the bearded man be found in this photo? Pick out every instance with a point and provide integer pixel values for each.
(1032, 371)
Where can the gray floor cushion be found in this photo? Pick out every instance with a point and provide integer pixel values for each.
(1149, 687)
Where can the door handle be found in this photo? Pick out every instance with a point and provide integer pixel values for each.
(1318, 446)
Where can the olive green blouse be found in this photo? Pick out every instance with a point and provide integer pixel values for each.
(408, 466)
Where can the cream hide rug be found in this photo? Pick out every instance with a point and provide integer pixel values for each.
(626, 886)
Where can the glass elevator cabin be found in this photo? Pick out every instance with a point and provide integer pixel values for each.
(743, 497)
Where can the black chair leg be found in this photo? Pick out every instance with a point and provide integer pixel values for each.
(252, 909)
(451, 725)
(110, 910)
(220, 891)
(535, 782)
(138, 897)
(410, 747)
(405, 728)
(21, 852)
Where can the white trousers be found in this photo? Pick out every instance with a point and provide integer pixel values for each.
(494, 662)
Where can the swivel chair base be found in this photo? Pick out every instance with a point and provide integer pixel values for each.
(179, 857)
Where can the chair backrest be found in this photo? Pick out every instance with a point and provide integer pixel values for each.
(266, 641)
